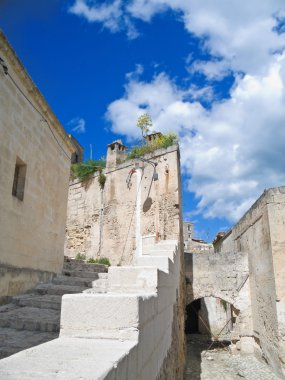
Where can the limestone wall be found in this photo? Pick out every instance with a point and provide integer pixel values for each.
(131, 332)
(261, 233)
(31, 228)
(140, 306)
(225, 276)
(104, 222)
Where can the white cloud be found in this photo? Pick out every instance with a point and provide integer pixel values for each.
(77, 125)
(234, 150)
(231, 152)
(241, 35)
(110, 14)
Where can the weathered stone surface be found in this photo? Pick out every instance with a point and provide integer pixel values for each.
(261, 233)
(32, 225)
(104, 223)
(32, 319)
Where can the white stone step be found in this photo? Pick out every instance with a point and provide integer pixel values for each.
(161, 262)
(112, 316)
(68, 358)
(132, 279)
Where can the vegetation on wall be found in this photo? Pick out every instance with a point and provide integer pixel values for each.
(102, 179)
(80, 256)
(100, 260)
(164, 141)
(84, 170)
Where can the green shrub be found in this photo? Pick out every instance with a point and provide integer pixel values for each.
(100, 260)
(102, 179)
(84, 170)
(164, 141)
(80, 256)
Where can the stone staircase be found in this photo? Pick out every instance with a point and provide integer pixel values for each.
(34, 318)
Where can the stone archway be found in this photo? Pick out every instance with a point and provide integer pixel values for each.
(222, 276)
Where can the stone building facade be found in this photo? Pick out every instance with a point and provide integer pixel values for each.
(103, 222)
(34, 172)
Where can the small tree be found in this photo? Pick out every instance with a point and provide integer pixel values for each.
(144, 122)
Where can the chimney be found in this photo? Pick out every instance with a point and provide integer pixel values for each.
(116, 153)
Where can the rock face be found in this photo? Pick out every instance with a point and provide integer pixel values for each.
(34, 318)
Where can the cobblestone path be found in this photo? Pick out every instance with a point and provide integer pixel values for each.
(218, 364)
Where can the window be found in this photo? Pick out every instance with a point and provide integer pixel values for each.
(19, 179)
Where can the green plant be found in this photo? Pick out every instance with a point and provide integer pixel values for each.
(143, 123)
(102, 179)
(100, 260)
(80, 256)
(84, 170)
(164, 141)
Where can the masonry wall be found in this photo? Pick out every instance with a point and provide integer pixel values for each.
(104, 222)
(261, 233)
(32, 229)
(224, 276)
(120, 221)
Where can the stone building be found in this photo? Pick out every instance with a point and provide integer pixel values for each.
(131, 325)
(260, 234)
(34, 172)
(103, 222)
(188, 233)
(192, 244)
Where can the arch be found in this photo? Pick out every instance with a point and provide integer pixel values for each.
(212, 316)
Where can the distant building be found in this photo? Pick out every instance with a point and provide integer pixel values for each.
(34, 172)
(188, 233)
(191, 244)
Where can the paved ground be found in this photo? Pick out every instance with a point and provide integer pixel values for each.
(218, 364)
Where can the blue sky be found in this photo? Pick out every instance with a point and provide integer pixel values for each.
(211, 71)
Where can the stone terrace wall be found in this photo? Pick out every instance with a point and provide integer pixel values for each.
(104, 223)
(261, 233)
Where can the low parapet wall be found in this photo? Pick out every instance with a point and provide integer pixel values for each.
(131, 332)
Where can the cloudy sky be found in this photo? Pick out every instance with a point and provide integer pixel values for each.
(211, 71)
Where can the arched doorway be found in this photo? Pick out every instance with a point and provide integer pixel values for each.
(210, 316)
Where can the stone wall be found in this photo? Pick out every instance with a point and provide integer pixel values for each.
(225, 276)
(33, 215)
(261, 233)
(133, 331)
(104, 222)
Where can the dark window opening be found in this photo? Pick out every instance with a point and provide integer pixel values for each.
(19, 179)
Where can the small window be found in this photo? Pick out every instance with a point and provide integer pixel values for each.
(74, 158)
(19, 179)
